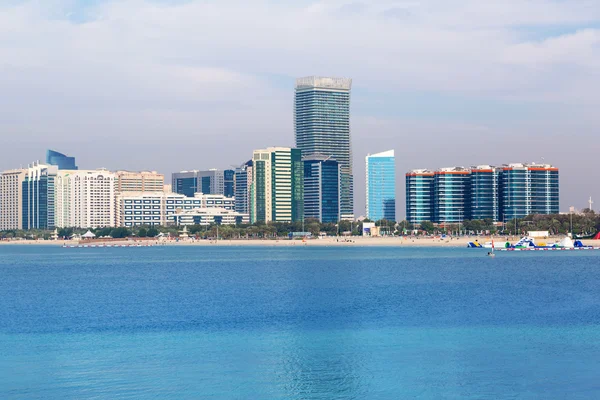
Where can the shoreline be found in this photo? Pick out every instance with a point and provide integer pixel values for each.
(325, 242)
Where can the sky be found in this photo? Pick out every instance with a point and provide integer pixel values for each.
(174, 85)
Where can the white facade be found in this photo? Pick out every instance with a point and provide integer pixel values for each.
(208, 216)
(156, 208)
(11, 199)
(145, 181)
(85, 198)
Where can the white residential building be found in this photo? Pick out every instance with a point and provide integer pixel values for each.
(11, 199)
(156, 208)
(85, 198)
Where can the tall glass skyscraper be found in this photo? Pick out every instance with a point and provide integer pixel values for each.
(60, 160)
(321, 188)
(419, 196)
(322, 126)
(381, 186)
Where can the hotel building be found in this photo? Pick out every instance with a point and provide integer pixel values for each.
(11, 199)
(85, 198)
(158, 208)
(381, 186)
(419, 196)
(322, 126)
(277, 185)
(450, 195)
(145, 181)
(321, 188)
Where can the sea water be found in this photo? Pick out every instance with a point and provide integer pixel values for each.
(298, 323)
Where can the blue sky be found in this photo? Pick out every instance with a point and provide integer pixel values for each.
(170, 85)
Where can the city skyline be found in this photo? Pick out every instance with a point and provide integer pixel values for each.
(508, 82)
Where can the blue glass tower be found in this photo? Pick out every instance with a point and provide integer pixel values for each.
(60, 160)
(321, 188)
(243, 181)
(322, 126)
(451, 195)
(529, 189)
(381, 186)
(38, 206)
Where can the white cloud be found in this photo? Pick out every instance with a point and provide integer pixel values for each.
(141, 69)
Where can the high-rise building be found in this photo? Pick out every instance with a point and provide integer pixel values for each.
(322, 126)
(277, 185)
(11, 199)
(38, 197)
(419, 196)
(450, 195)
(243, 183)
(321, 188)
(381, 186)
(85, 199)
(212, 181)
(529, 189)
(485, 193)
(60, 160)
(145, 181)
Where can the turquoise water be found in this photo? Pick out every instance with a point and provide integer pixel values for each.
(299, 323)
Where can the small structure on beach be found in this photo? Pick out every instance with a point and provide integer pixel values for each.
(88, 235)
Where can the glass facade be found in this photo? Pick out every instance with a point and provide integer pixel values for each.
(322, 126)
(529, 189)
(277, 185)
(228, 183)
(243, 180)
(38, 205)
(60, 160)
(322, 189)
(185, 183)
(450, 195)
(419, 196)
(381, 186)
(485, 194)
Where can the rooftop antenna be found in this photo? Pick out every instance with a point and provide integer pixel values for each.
(590, 202)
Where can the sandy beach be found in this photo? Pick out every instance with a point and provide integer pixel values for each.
(328, 241)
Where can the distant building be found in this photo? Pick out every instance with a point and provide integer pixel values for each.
(482, 192)
(60, 160)
(11, 199)
(145, 181)
(38, 197)
(419, 196)
(529, 189)
(212, 181)
(450, 195)
(322, 126)
(157, 208)
(85, 198)
(321, 188)
(243, 183)
(485, 193)
(381, 186)
(208, 216)
(277, 185)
